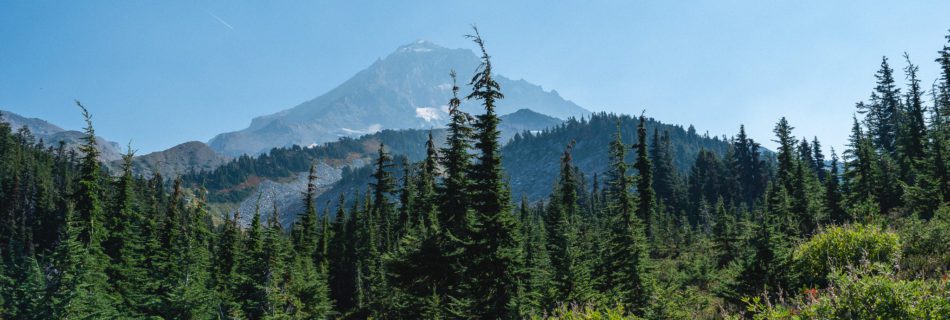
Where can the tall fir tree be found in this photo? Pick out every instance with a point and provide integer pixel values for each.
(833, 197)
(83, 289)
(627, 249)
(913, 138)
(646, 196)
(305, 228)
(252, 268)
(666, 181)
(786, 158)
(570, 272)
(125, 244)
(494, 250)
(384, 184)
(227, 257)
(883, 111)
(819, 158)
(860, 166)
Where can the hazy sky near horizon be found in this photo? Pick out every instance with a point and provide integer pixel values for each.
(160, 73)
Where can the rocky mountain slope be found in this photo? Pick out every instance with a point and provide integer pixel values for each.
(407, 89)
(52, 135)
(183, 158)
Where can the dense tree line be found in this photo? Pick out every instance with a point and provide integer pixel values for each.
(740, 234)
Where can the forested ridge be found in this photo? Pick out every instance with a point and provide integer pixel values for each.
(864, 234)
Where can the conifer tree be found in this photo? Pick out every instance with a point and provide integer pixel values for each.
(456, 163)
(383, 186)
(455, 209)
(889, 192)
(538, 285)
(939, 120)
(666, 182)
(344, 267)
(725, 235)
(370, 281)
(911, 142)
(407, 199)
(761, 263)
(83, 289)
(627, 250)
(801, 206)
(426, 202)
(324, 240)
(185, 263)
(819, 158)
(196, 291)
(806, 156)
(29, 286)
(225, 267)
(883, 112)
(571, 276)
(646, 196)
(125, 244)
(786, 163)
(833, 198)
(305, 229)
(942, 91)
(749, 167)
(859, 166)
(494, 249)
(252, 268)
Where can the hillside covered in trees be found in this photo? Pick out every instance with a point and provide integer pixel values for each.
(807, 235)
(530, 158)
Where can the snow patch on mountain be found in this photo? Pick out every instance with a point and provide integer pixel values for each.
(429, 114)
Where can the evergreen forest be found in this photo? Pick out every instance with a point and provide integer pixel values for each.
(434, 228)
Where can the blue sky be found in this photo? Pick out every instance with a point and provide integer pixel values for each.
(162, 73)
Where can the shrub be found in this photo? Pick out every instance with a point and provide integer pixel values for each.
(865, 294)
(587, 312)
(837, 248)
(927, 253)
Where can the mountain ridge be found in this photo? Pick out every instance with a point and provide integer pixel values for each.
(52, 135)
(408, 89)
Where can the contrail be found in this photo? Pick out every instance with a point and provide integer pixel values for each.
(216, 17)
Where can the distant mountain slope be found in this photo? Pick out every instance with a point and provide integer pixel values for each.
(524, 120)
(280, 174)
(52, 135)
(532, 161)
(183, 158)
(407, 89)
(240, 177)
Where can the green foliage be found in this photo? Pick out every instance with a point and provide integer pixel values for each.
(863, 294)
(571, 273)
(837, 248)
(927, 255)
(493, 255)
(587, 312)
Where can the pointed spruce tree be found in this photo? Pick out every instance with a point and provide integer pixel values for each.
(494, 249)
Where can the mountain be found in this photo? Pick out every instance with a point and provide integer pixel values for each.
(281, 174)
(532, 161)
(407, 89)
(52, 135)
(524, 120)
(177, 160)
(530, 158)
